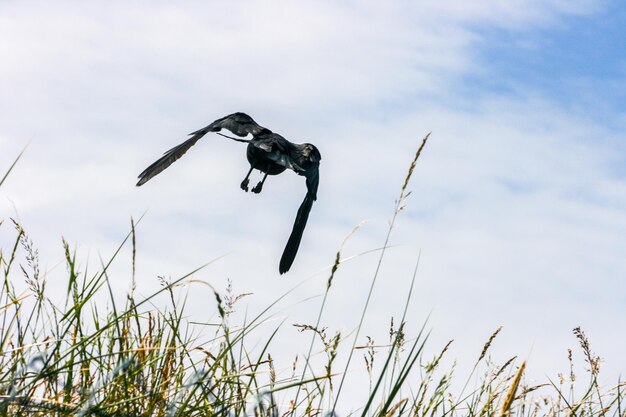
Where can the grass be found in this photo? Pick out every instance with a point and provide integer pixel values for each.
(74, 357)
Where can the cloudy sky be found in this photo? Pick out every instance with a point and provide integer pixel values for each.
(518, 203)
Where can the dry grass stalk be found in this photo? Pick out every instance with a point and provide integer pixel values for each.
(488, 344)
(590, 358)
(510, 395)
(412, 167)
(396, 406)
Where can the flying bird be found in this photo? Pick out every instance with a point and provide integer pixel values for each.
(268, 152)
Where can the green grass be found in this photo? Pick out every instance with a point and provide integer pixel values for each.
(75, 357)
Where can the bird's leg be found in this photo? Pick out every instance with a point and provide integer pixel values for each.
(244, 183)
(257, 189)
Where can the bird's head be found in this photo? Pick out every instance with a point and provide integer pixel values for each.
(310, 152)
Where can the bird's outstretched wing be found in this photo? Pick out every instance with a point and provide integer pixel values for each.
(291, 249)
(238, 123)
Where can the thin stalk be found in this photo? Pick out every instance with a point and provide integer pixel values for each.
(399, 206)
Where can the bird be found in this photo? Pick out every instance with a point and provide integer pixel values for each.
(268, 152)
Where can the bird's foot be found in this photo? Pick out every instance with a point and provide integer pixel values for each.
(244, 185)
(257, 188)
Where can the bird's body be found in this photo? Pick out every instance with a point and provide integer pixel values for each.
(268, 152)
(257, 160)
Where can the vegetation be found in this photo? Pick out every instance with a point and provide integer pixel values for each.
(71, 358)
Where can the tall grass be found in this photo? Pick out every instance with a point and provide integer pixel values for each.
(74, 357)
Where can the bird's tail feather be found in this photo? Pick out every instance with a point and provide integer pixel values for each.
(289, 254)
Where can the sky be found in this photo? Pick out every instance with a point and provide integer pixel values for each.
(518, 204)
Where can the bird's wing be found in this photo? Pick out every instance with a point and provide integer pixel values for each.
(238, 123)
(167, 159)
(291, 249)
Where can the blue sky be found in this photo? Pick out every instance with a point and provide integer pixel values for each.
(579, 62)
(519, 200)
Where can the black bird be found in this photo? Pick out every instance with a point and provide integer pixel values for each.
(268, 152)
